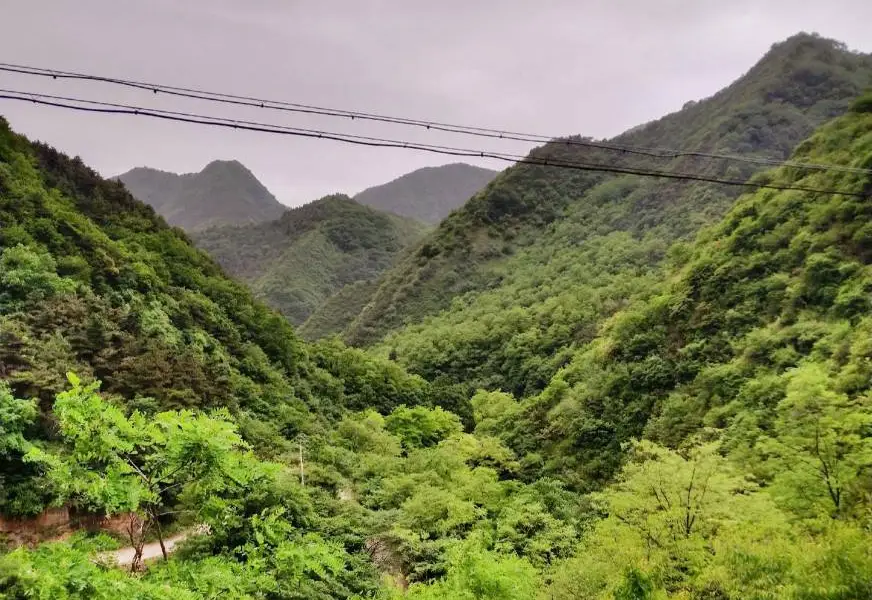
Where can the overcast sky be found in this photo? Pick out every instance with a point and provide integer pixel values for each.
(555, 67)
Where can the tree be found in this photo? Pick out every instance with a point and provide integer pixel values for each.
(478, 574)
(420, 427)
(114, 463)
(26, 274)
(666, 522)
(821, 447)
(19, 491)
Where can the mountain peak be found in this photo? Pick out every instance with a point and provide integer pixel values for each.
(225, 165)
(428, 194)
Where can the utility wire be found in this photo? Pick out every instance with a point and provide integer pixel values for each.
(94, 106)
(250, 101)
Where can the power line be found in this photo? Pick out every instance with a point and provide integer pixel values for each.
(293, 107)
(94, 106)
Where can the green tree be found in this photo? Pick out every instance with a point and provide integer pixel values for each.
(113, 463)
(478, 574)
(19, 488)
(821, 447)
(419, 427)
(29, 275)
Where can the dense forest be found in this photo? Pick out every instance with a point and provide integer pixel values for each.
(297, 262)
(607, 387)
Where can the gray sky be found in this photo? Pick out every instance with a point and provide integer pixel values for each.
(594, 67)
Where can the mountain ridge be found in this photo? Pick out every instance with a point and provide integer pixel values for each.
(798, 85)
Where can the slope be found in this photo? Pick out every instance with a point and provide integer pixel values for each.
(94, 282)
(298, 261)
(761, 332)
(428, 194)
(505, 288)
(224, 192)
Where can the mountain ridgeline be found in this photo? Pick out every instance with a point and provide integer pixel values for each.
(505, 289)
(428, 194)
(223, 193)
(295, 263)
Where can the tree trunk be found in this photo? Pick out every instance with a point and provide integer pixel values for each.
(136, 533)
(160, 539)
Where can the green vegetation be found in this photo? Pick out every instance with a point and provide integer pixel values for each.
(524, 252)
(638, 419)
(428, 194)
(296, 263)
(223, 193)
(337, 312)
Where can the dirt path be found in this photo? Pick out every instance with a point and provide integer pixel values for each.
(149, 551)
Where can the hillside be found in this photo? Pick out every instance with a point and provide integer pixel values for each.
(503, 290)
(94, 282)
(428, 194)
(295, 263)
(336, 313)
(762, 321)
(223, 193)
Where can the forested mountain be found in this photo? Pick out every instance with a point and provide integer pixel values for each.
(223, 193)
(295, 263)
(428, 194)
(94, 282)
(531, 263)
(692, 416)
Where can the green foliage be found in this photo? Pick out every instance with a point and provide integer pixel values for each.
(508, 287)
(862, 104)
(646, 422)
(690, 526)
(21, 490)
(29, 276)
(295, 263)
(420, 427)
(477, 574)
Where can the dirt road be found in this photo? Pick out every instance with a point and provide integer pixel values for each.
(124, 556)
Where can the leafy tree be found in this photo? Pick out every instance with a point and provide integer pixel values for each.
(28, 275)
(419, 427)
(477, 574)
(20, 491)
(822, 445)
(115, 463)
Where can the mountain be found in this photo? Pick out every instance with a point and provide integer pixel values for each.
(504, 290)
(223, 193)
(141, 387)
(759, 330)
(428, 194)
(295, 263)
(94, 282)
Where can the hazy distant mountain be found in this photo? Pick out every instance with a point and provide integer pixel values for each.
(223, 193)
(428, 194)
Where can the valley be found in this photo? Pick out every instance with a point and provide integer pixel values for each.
(546, 383)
